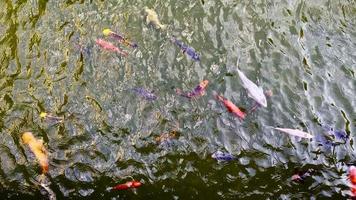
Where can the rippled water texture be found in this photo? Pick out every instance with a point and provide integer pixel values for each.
(304, 51)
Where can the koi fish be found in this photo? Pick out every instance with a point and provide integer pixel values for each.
(38, 149)
(149, 96)
(186, 49)
(339, 134)
(50, 117)
(198, 90)
(220, 156)
(127, 185)
(152, 18)
(120, 38)
(352, 177)
(295, 132)
(166, 137)
(110, 47)
(231, 107)
(253, 90)
(300, 176)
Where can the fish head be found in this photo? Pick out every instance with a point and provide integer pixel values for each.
(107, 32)
(263, 101)
(27, 137)
(204, 83)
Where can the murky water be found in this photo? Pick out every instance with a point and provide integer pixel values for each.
(304, 51)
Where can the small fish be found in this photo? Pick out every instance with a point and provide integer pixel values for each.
(300, 176)
(50, 117)
(339, 134)
(253, 90)
(295, 132)
(231, 107)
(166, 137)
(149, 96)
(186, 49)
(127, 185)
(152, 18)
(198, 90)
(120, 38)
(110, 47)
(352, 177)
(38, 149)
(324, 141)
(220, 156)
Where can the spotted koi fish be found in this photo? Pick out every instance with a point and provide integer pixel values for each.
(186, 49)
(110, 47)
(197, 91)
(120, 38)
(231, 107)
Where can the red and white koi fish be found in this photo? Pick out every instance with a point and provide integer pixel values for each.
(253, 90)
(231, 107)
(110, 47)
(198, 90)
(127, 185)
(295, 132)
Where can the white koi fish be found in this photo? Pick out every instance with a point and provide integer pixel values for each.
(152, 18)
(253, 90)
(295, 132)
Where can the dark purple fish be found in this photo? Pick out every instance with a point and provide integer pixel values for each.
(186, 49)
(339, 134)
(221, 156)
(324, 141)
(147, 95)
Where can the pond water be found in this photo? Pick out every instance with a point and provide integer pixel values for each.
(304, 51)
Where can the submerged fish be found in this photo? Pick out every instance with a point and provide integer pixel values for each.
(220, 156)
(352, 177)
(127, 185)
(231, 107)
(152, 18)
(110, 47)
(38, 149)
(198, 90)
(50, 117)
(253, 90)
(339, 134)
(186, 49)
(120, 38)
(300, 176)
(166, 137)
(295, 132)
(150, 96)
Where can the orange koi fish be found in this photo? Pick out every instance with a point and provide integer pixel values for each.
(231, 107)
(38, 149)
(110, 47)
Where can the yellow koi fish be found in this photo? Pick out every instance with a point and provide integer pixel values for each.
(152, 18)
(38, 149)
